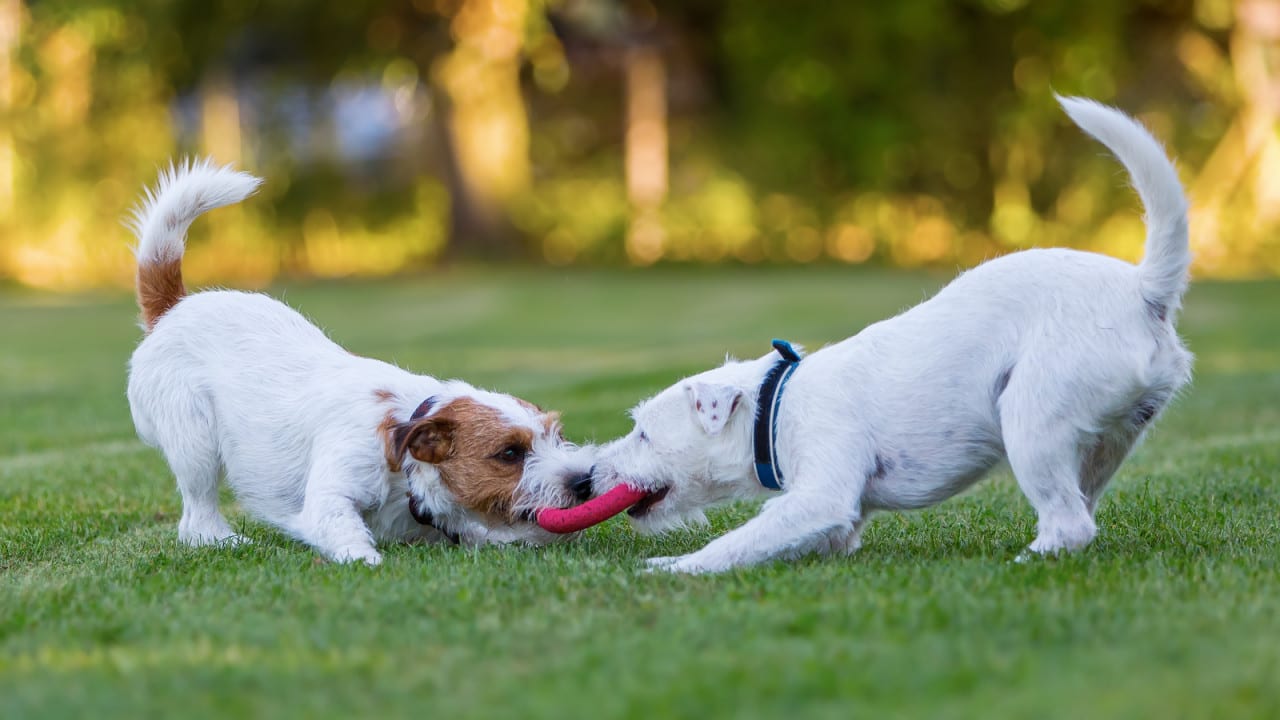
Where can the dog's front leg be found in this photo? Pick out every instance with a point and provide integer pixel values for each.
(787, 527)
(330, 520)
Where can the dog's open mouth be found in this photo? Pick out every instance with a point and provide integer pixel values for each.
(646, 503)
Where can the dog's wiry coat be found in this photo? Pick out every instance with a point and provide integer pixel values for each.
(311, 438)
(1056, 360)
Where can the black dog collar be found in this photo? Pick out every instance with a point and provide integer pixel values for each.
(421, 514)
(767, 403)
(423, 409)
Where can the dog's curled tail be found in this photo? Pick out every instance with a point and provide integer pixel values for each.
(160, 222)
(1167, 257)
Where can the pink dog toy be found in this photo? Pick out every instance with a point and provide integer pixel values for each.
(591, 512)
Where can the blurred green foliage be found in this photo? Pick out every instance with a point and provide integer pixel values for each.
(394, 135)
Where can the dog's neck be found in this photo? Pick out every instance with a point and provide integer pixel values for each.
(747, 376)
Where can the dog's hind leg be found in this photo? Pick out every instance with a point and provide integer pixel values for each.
(1101, 462)
(1046, 453)
(192, 453)
(202, 522)
(1112, 446)
(180, 423)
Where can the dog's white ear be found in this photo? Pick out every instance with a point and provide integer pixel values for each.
(713, 404)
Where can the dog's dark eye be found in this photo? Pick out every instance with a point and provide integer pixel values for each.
(511, 454)
(644, 436)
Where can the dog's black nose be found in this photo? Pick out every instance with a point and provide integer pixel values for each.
(580, 486)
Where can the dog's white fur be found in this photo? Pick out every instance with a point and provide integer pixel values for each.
(1056, 360)
(238, 382)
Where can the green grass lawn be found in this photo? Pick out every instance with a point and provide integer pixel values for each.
(1173, 612)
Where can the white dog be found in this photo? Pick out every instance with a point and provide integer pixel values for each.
(1055, 360)
(337, 450)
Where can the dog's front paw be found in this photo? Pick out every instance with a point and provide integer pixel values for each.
(211, 537)
(655, 563)
(684, 564)
(368, 556)
(235, 541)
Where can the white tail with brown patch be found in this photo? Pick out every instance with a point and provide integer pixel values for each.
(160, 222)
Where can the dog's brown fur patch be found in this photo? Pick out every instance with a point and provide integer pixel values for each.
(551, 424)
(159, 289)
(387, 431)
(465, 440)
(472, 468)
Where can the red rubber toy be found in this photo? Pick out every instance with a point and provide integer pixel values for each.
(591, 512)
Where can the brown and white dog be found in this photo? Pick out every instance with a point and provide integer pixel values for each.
(337, 450)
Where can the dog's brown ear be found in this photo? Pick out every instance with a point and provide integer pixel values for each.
(429, 440)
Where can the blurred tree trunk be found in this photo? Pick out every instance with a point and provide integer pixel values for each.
(646, 152)
(232, 250)
(1248, 146)
(1255, 50)
(220, 119)
(478, 227)
(10, 33)
(484, 129)
(10, 29)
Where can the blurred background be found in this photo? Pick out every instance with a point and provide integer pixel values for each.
(396, 136)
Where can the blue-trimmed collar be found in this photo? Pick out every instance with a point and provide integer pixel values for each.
(766, 428)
